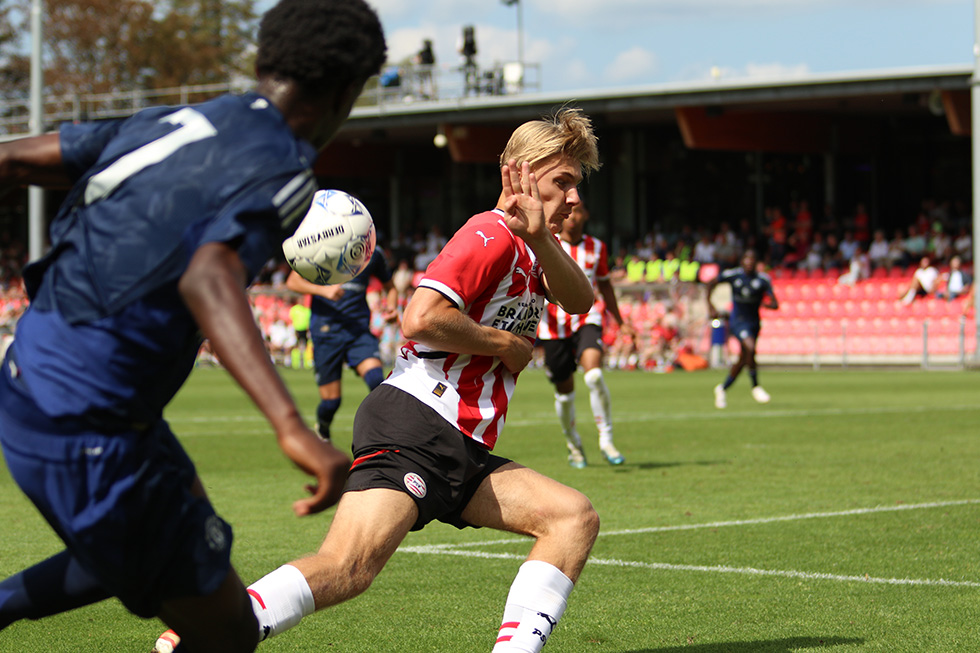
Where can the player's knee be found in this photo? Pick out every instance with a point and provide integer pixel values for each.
(576, 518)
(374, 377)
(593, 378)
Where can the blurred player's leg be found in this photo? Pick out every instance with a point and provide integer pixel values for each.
(599, 399)
(565, 408)
(52, 586)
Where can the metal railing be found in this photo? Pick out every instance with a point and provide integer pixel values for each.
(410, 84)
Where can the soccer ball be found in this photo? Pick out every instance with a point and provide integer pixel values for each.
(335, 240)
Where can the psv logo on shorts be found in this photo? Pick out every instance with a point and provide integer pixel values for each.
(415, 484)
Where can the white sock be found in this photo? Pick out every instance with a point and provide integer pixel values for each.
(280, 599)
(536, 602)
(600, 401)
(565, 408)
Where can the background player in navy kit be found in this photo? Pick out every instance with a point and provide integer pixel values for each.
(340, 326)
(750, 290)
(171, 212)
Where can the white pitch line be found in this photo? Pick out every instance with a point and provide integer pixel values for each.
(745, 522)
(462, 549)
(442, 549)
(626, 416)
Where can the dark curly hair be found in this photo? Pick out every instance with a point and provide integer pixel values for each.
(320, 44)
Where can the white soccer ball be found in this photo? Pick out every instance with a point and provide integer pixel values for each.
(335, 240)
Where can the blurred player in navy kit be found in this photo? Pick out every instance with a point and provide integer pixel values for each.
(340, 326)
(171, 213)
(750, 290)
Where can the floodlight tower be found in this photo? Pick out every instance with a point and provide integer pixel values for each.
(520, 28)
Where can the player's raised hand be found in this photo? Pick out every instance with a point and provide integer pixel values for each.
(321, 460)
(524, 212)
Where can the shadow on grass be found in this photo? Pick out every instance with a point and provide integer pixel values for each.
(772, 646)
(662, 465)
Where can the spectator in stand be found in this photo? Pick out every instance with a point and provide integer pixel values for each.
(848, 246)
(940, 245)
(923, 282)
(726, 249)
(896, 250)
(878, 251)
(832, 259)
(963, 244)
(803, 221)
(746, 238)
(704, 249)
(814, 255)
(916, 245)
(861, 224)
(777, 229)
(859, 268)
(957, 282)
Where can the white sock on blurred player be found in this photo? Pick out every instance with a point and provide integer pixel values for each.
(600, 401)
(536, 602)
(280, 599)
(565, 408)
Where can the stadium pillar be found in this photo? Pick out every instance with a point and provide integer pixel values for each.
(975, 139)
(35, 194)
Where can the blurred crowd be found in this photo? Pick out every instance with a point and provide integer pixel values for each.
(669, 316)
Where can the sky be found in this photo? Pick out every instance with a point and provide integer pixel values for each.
(600, 44)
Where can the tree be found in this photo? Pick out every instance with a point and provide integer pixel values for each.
(104, 46)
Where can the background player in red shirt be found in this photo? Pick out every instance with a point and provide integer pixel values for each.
(570, 340)
(423, 438)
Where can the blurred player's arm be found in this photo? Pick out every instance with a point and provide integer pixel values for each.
(389, 302)
(612, 306)
(213, 288)
(298, 284)
(712, 311)
(35, 160)
(769, 300)
(434, 321)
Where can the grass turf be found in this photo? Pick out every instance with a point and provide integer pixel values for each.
(840, 517)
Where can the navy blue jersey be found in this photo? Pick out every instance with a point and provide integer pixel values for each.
(106, 330)
(351, 310)
(748, 291)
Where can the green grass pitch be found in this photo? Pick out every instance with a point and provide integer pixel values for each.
(844, 516)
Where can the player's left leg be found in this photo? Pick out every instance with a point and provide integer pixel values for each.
(748, 349)
(590, 346)
(50, 587)
(330, 399)
(562, 520)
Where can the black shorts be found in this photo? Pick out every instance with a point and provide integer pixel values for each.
(561, 356)
(402, 444)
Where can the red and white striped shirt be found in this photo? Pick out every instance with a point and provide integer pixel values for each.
(493, 277)
(590, 254)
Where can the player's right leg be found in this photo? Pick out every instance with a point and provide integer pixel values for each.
(559, 360)
(564, 524)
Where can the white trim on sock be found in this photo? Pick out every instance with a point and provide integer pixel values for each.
(280, 599)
